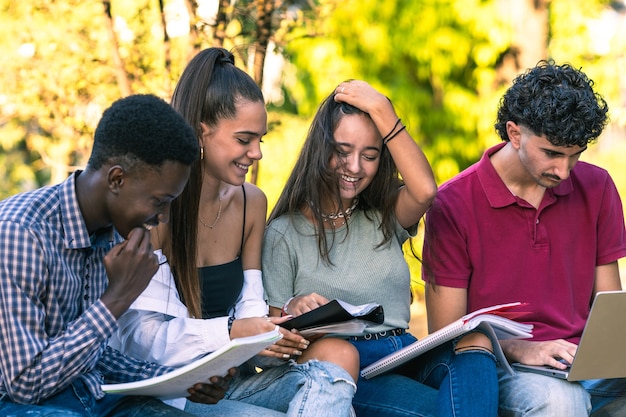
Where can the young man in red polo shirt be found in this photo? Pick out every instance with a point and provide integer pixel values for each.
(531, 223)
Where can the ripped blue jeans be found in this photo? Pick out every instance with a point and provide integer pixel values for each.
(311, 389)
(438, 383)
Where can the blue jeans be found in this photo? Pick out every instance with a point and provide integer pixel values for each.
(77, 401)
(439, 383)
(311, 389)
(527, 394)
(230, 408)
(608, 396)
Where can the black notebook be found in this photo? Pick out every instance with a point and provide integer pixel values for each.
(335, 312)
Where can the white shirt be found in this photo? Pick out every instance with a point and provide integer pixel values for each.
(157, 326)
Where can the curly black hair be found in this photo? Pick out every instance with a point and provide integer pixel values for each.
(143, 128)
(557, 101)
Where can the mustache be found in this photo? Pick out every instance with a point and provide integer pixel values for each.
(552, 176)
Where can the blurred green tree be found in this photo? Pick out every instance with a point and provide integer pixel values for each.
(445, 64)
(53, 90)
(64, 62)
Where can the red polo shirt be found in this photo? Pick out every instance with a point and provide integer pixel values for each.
(481, 237)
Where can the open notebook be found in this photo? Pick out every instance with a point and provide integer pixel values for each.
(495, 321)
(600, 353)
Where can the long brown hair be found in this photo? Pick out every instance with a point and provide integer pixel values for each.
(207, 92)
(313, 180)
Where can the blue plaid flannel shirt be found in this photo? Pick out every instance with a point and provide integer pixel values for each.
(53, 327)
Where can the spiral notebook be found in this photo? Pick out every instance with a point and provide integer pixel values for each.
(496, 322)
(600, 353)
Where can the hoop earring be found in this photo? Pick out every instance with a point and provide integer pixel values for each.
(201, 152)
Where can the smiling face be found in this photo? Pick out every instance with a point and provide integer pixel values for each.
(545, 163)
(358, 155)
(141, 199)
(232, 145)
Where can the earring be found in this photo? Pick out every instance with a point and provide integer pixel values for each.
(201, 152)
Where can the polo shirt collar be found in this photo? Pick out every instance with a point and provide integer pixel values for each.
(497, 192)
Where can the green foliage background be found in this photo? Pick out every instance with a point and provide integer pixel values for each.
(436, 59)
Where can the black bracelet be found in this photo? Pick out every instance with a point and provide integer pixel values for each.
(386, 137)
(386, 141)
(230, 323)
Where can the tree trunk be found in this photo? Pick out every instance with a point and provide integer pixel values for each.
(167, 45)
(530, 26)
(264, 9)
(222, 22)
(194, 39)
(118, 65)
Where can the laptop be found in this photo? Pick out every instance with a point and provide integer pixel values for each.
(600, 353)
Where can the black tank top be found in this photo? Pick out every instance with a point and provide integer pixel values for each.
(222, 284)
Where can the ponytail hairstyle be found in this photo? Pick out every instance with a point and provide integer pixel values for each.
(207, 92)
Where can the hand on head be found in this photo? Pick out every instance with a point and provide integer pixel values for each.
(362, 96)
